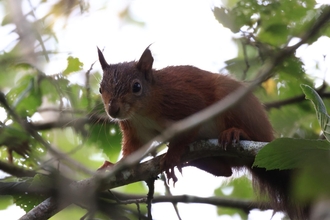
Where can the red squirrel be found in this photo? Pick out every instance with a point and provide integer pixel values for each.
(145, 101)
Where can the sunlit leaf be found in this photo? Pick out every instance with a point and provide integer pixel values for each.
(74, 65)
(5, 201)
(226, 18)
(321, 111)
(269, 86)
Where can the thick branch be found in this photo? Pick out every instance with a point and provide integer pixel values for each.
(245, 150)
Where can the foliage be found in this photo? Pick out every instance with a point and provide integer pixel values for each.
(304, 155)
(262, 28)
(237, 188)
(71, 118)
(321, 111)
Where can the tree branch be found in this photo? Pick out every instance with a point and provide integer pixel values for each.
(244, 204)
(15, 170)
(293, 100)
(143, 171)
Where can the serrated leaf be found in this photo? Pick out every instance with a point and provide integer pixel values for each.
(288, 153)
(321, 111)
(74, 65)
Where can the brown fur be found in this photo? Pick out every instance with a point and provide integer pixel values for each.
(175, 92)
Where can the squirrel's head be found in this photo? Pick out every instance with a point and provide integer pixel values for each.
(125, 86)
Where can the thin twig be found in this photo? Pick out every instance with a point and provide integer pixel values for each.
(151, 186)
(293, 100)
(214, 200)
(87, 85)
(246, 60)
(169, 193)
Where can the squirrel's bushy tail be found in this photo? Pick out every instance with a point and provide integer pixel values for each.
(277, 185)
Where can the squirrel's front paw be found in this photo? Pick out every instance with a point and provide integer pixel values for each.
(168, 164)
(232, 136)
(107, 165)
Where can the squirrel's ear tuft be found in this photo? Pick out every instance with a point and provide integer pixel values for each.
(145, 62)
(104, 63)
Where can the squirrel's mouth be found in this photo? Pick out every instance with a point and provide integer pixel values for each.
(118, 116)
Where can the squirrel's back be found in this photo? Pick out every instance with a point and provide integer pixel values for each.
(186, 90)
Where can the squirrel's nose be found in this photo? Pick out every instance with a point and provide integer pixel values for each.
(114, 109)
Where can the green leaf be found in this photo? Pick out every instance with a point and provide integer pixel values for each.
(40, 180)
(106, 137)
(77, 96)
(288, 153)
(74, 65)
(226, 18)
(14, 134)
(313, 181)
(27, 201)
(26, 96)
(239, 188)
(48, 89)
(5, 201)
(274, 34)
(321, 111)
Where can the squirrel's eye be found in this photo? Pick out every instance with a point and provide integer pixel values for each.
(100, 90)
(136, 87)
